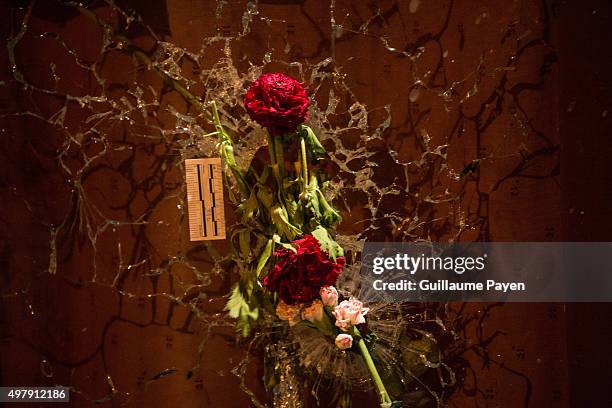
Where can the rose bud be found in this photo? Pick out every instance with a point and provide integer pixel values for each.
(314, 312)
(329, 296)
(344, 341)
(289, 313)
(349, 313)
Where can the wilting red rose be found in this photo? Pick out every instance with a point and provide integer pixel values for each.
(298, 277)
(277, 102)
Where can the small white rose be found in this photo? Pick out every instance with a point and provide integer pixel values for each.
(329, 296)
(344, 341)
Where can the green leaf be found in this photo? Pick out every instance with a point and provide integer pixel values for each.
(265, 255)
(238, 308)
(237, 305)
(277, 239)
(322, 211)
(313, 204)
(265, 196)
(327, 243)
(227, 152)
(250, 206)
(294, 211)
(329, 216)
(312, 142)
(280, 219)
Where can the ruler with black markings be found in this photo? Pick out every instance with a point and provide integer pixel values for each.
(205, 199)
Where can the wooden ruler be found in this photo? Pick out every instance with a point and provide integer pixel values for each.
(205, 199)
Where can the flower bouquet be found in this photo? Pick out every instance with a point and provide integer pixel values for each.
(288, 259)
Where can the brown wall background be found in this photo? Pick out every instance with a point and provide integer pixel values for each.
(126, 311)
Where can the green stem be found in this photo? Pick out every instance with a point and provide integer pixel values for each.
(271, 149)
(227, 151)
(280, 156)
(276, 157)
(304, 166)
(216, 120)
(385, 400)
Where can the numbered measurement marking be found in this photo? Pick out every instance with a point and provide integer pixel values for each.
(205, 199)
(34, 394)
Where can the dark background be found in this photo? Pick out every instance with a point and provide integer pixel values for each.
(116, 309)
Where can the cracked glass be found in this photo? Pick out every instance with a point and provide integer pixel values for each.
(435, 121)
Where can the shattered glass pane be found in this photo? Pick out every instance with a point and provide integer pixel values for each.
(431, 115)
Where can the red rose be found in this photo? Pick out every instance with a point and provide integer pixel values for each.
(277, 102)
(298, 277)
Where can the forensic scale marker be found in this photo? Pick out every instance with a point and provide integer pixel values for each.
(205, 199)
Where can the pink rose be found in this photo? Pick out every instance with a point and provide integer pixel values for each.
(344, 341)
(349, 313)
(289, 313)
(329, 296)
(314, 312)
